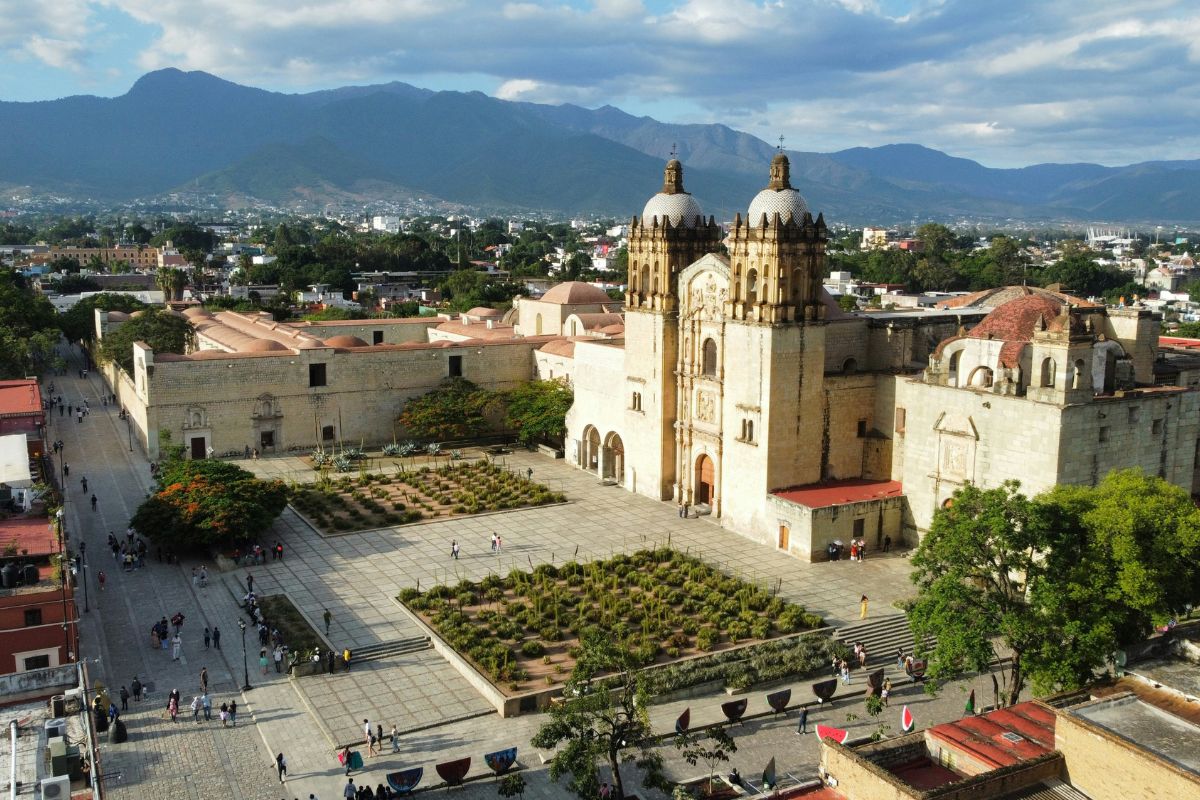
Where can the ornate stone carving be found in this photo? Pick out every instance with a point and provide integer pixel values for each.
(705, 407)
(197, 417)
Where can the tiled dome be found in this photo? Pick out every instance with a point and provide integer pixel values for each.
(785, 202)
(679, 208)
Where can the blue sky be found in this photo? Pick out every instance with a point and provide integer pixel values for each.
(1006, 82)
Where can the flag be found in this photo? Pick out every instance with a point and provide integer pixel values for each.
(906, 720)
(970, 709)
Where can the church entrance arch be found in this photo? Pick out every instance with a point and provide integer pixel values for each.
(591, 449)
(706, 481)
(614, 458)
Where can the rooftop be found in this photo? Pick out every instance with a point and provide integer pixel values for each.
(28, 533)
(836, 493)
(19, 398)
(1002, 737)
(1147, 726)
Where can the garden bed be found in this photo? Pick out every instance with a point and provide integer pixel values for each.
(299, 636)
(373, 500)
(522, 630)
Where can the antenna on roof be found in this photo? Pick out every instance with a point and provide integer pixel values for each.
(781, 142)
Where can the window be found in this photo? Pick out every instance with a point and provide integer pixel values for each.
(33, 616)
(708, 361)
(1104, 433)
(376, 337)
(316, 374)
(862, 428)
(747, 431)
(36, 662)
(1156, 427)
(901, 414)
(455, 370)
(860, 528)
(1049, 369)
(327, 434)
(850, 366)
(752, 286)
(635, 402)
(1133, 414)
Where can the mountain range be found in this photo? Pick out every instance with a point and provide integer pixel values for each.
(193, 132)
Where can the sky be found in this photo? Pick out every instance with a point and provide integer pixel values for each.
(1005, 82)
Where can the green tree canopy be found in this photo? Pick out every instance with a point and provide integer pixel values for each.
(78, 322)
(162, 331)
(1061, 582)
(455, 410)
(205, 503)
(537, 410)
(28, 327)
(610, 725)
(468, 288)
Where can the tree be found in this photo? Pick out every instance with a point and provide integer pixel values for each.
(973, 572)
(538, 411)
(28, 329)
(171, 282)
(601, 723)
(454, 410)
(78, 323)
(202, 504)
(847, 302)
(712, 747)
(163, 331)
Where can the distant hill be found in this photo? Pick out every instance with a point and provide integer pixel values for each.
(191, 131)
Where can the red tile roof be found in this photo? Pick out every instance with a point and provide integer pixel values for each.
(20, 398)
(983, 737)
(835, 493)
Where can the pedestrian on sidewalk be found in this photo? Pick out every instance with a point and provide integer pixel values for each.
(83, 482)
(224, 715)
(281, 766)
(196, 706)
(529, 474)
(173, 708)
(249, 583)
(499, 545)
(495, 539)
(207, 637)
(277, 655)
(862, 607)
(204, 679)
(93, 502)
(372, 744)
(367, 729)
(279, 550)
(379, 734)
(346, 659)
(349, 793)
(66, 470)
(216, 637)
(136, 687)
(176, 647)
(124, 699)
(395, 740)
(101, 578)
(206, 704)
(345, 759)
(454, 549)
(329, 659)
(328, 618)
(886, 691)
(802, 726)
(262, 660)
(195, 577)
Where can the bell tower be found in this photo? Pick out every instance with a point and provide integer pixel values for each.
(671, 233)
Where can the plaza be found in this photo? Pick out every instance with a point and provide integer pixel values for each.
(357, 576)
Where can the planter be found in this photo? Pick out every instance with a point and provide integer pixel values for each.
(547, 450)
(306, 668)
(719, 789)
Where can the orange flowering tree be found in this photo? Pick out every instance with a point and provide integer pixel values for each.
(201, 504)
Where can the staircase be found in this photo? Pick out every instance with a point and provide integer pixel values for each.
(881, 637)
(396, 647)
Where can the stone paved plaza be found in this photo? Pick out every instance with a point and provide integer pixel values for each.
(356, 576)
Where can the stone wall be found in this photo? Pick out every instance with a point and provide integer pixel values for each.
(849, 401)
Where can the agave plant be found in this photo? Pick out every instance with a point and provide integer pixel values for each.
(407, 449)
(392, 449)
(320, 458)
(342, 463)
(354, 453)
(433, 448)
(456, 455)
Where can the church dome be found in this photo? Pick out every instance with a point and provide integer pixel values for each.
(672, 203)
(779, 197)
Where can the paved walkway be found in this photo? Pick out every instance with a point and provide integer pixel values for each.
(355, 576)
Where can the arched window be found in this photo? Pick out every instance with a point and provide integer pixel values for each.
(708, 362)
(1077, 376)
(737, 283)
(1049, 370)
(752, 286)
(850, 366)
(981, 378)
(954, 359)
(797, 286)
(644, 283)
(537, 325)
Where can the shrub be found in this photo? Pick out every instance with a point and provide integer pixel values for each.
(707, 638)
(532, 649)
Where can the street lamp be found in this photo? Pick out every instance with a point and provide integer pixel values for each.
(83, 572)
(245, 669)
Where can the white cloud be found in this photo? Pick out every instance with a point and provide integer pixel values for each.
(1012, 82)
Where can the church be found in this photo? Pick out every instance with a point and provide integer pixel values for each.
(741, 390)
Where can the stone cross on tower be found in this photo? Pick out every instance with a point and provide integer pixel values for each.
(781, 142)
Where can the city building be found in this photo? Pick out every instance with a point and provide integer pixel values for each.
(137, 256)
(38, 617)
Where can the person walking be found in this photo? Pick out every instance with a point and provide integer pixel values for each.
(136, 688)
(886, 692)
(281, 766)
(499, 545)
(346, 762)
(124, 699)
(176, 647)
(224, 715)
(395, 740)
(173, 708)
(328, 617)
(329, 662)
(207, 637)
(204, 679)
(93, 502)
(350, 792)
(216, 637)
(83, 482)
(529, 474)
(346, 659)
(495, 539)
(196, 706)
(249, 584)
(862, 607)
(802, 726)
(101, 578)
(233, 713)
(277, 655)
(206, 704)
(454, 549)
(262, 660)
